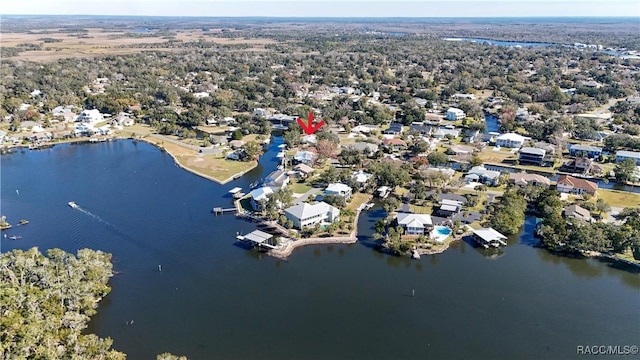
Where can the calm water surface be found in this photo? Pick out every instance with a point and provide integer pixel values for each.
(215, 299)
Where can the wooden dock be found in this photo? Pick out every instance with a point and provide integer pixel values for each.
(221, 211)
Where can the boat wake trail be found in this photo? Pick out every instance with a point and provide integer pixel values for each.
(96, 217)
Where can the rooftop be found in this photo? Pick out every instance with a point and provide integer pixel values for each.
(489, 234)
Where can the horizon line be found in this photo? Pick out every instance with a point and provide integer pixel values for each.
(344, 17)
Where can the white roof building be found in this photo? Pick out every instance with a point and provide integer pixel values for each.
(259, 196)
(455, 114)
(361, 176)
(306, 214)
(510, 140)
(414, 224)
(489, 237)
(90, 116)
(338, 189)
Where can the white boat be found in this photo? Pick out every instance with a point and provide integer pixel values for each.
(73, 204)
(235, 190)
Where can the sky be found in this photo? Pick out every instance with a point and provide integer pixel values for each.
(326, 8)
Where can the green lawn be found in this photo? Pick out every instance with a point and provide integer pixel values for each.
(299, 188)
(424, 208)
(619, 198)
(358, 199)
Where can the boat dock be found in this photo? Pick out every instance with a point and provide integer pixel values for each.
(237, 193)
(258, 238)
(222, 211)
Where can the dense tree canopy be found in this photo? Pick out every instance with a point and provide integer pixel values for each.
(46, 303)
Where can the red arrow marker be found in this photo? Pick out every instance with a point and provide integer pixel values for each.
(309, 128)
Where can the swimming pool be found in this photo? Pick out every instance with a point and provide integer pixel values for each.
(440, 233)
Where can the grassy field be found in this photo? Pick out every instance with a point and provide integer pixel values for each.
(299, 188)
(357, 200)
(621, 199)
(488, 155)
(209, 166)
(97, 41)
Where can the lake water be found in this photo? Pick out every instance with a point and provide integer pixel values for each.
(503, 42)
(215, 299)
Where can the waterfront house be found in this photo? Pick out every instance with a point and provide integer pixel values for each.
(585, 151)
(277, 179)
(395, 128)
(282, 121)
(339, 189)
(573, 185)
(415, 224)
(305, 157)
(576, 212)
(305, 214)
(510, 140)
(482, 175)
(622, 155)
(455, 114)
(122, 119)
(550, 149)
(90, 117)
(489, 237)
(259, 197)
(235, 155)
(470, 136)
(524, 179)
(531, 155)
(394, 144)
(582, 165)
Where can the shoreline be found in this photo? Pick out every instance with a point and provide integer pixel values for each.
(195, 172)
(294, 244)
(86, 140)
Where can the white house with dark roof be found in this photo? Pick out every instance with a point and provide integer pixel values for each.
(415, 224)
(306, 214)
